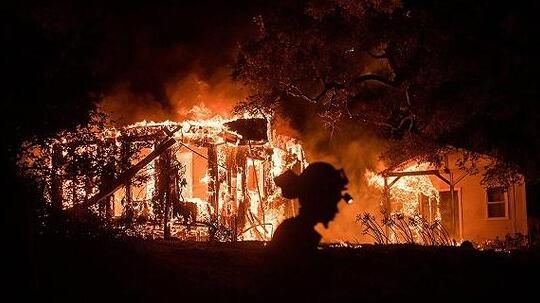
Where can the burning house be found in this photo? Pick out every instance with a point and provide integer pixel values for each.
(198, 180)
(456, 196)
(213, 179)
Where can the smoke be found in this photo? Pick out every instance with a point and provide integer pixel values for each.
(125, 107)
(356, 151)
(191, 96)
(218, 94)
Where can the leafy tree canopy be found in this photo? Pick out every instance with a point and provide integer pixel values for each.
(460, 73)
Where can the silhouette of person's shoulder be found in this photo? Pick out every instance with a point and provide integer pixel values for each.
(283, 234)
(293, 268)
(294, 236)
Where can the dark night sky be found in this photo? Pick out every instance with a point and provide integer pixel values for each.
(139, 42)
(61, 56)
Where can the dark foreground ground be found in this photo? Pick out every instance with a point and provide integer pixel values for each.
(173, 271)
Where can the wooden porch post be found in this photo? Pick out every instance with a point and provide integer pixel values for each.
(213, 184)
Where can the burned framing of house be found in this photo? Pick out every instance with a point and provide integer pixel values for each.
(194, 180)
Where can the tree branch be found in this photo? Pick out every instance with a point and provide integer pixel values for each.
(407, 96)
(377, 56)
(368, 121)
(294, 91)
(371, 77)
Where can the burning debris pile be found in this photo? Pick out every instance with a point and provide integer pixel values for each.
(196, 180)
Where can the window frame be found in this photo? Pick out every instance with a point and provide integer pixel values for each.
(487, 203)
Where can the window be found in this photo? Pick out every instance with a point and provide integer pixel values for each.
(496, 202)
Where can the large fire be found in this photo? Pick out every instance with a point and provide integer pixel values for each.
(407, 193)
(410, 206)
(197, 179)
(207, 179)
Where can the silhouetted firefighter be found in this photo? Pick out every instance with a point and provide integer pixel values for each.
(294, 270)
(318, 189)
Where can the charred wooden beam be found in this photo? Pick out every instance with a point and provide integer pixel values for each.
(416, 173)
(126, 154)
(394, 181)
(166, 187)
(243, 202)
(411, 173)
(213, 183)
(107, 204)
